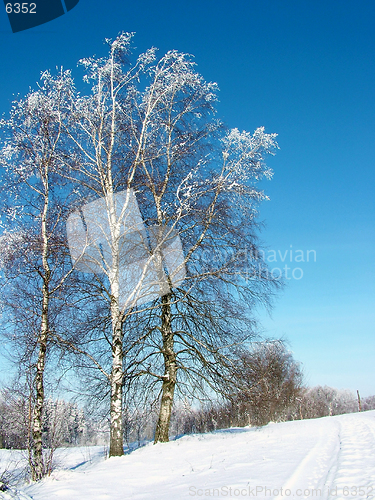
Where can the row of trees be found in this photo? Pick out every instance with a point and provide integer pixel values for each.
(313, 402)
(267, 384)
(64, 424)
(146, 131)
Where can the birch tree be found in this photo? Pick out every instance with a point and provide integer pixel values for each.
(34, 260)
(199, 179)
(102, 165)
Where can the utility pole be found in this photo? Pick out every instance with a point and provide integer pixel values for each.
(359, 401)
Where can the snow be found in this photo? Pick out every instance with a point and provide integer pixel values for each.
(327, 458)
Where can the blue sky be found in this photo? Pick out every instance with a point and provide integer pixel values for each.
(305, 70)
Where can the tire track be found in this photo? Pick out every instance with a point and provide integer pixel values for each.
(316, 472)
(355, 472)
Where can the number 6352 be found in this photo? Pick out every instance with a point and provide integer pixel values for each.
(21, 8)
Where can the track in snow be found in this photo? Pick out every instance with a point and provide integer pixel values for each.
(342, 463)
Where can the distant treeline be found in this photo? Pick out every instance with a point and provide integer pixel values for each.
(67, 425)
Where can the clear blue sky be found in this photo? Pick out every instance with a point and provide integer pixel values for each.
(305, 70)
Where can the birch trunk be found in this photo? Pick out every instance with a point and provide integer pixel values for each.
(38, 470)
(116, 448)
(37, 465)
(170, 373)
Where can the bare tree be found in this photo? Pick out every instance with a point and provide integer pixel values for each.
(326, 401)
(368, 403)
(34, 258)
(270, 382)
(98, 131)
(202, 180)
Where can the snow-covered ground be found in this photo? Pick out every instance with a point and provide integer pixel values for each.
(326, 458)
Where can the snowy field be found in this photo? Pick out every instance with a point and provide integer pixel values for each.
(327, 458)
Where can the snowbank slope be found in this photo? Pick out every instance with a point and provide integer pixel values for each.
(331, 457)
